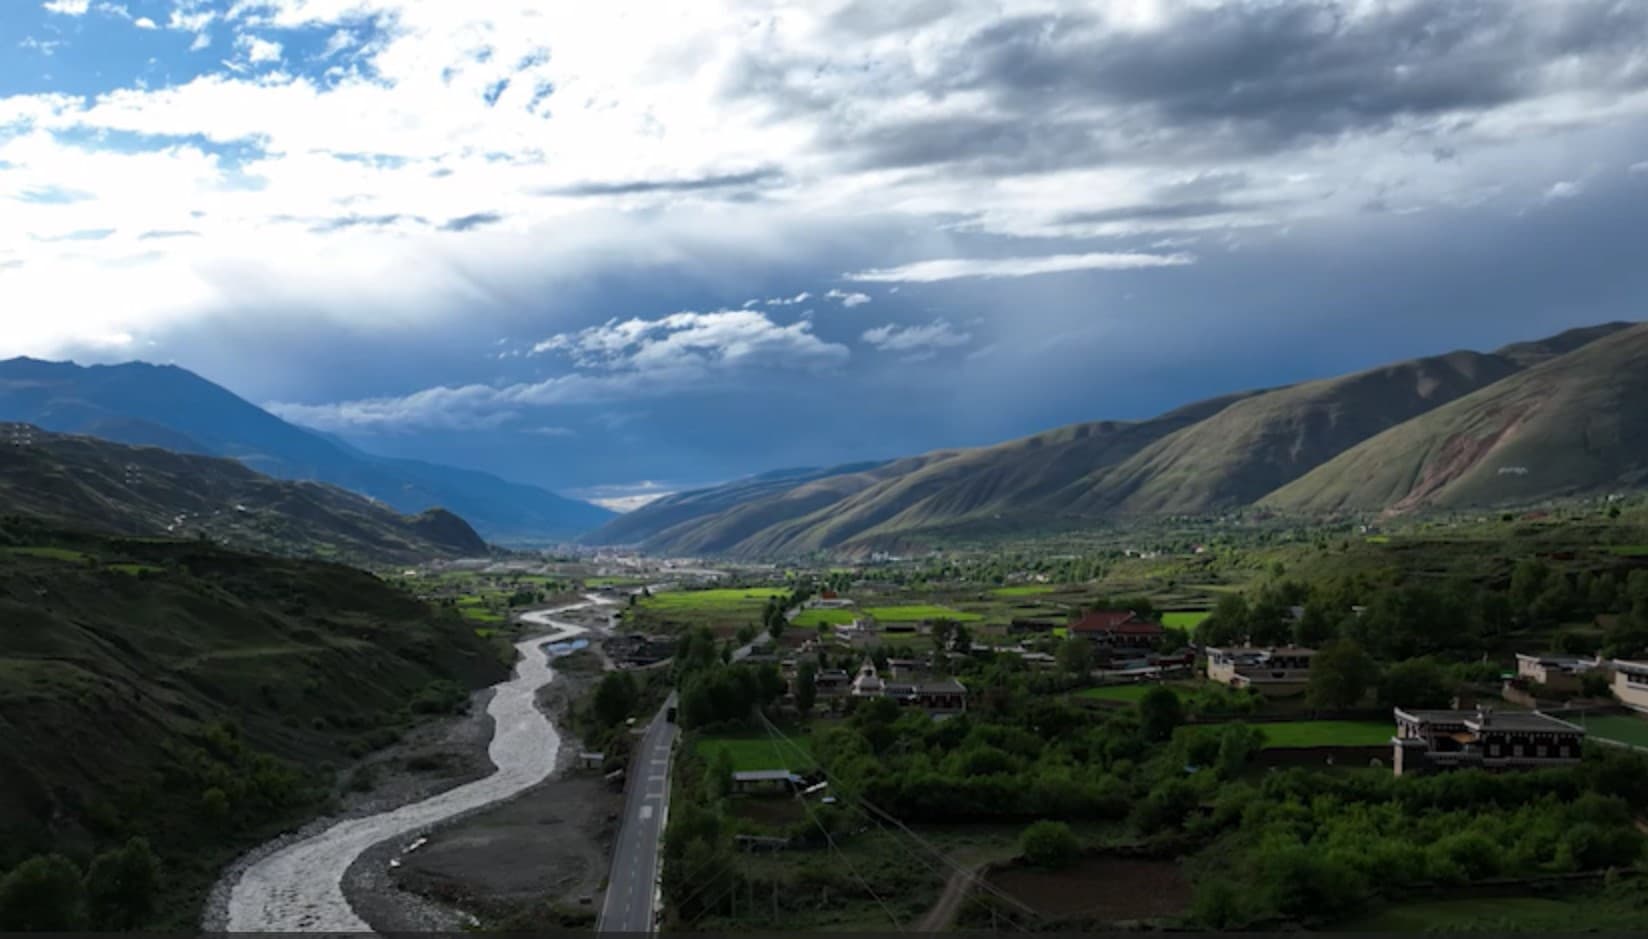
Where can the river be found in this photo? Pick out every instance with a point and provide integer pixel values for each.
(299, 887)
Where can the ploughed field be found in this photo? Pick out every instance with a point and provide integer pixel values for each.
(1110, 889)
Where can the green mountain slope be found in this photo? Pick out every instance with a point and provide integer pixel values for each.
(196, 696)
(165, 406)
(1258, 444)
(1574, 423)
(1208, 457)
(148, 491)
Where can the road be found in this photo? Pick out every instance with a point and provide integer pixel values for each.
(631, 900)
(298, 888)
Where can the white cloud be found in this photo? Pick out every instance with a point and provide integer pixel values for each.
(143, 22)
(551, 431)
(67, 7)
(848, 299)
(1564, 189)
(954, 268)
(202, 40)
(801, 297)
(616, 361)
(258, 50)
(923, 340)
(1638, 168)
(338, 42)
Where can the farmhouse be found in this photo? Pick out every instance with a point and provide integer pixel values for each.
(1630, 684)
(1272, 672)
(1558, 673)
(1427, 741)
(1117, 628)
(935, 696)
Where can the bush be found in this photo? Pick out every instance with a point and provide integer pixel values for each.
(43, 894)
(121, 886)
(1050, 844)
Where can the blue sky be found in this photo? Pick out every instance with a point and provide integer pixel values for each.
(627, 247)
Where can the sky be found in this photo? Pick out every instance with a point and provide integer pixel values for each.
(621, 248)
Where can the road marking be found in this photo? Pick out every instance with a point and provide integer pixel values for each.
(646, 812)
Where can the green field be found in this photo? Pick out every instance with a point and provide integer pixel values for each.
(756, 751)
(1326, 734)
(478, 615)
(1183, 620)
(1025, 590)
(136, 569)
(1129, 693)
(719, 598)
(1499, 915)
(49, 554)
(1621, 727)
(918, 612)
(1630, 550)
(812, 619)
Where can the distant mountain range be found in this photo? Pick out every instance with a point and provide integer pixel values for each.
(1533, 420)
(165, 406)
(112, 487)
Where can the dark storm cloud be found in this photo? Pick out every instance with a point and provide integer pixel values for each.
(723, 181)
(471, 222)
(1239, 80)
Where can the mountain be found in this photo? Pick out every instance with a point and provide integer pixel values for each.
(142, 490)
(165, 406)
(197, 696)
(1574, 423)
(1205, 458)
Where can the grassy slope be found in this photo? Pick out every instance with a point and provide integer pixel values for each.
(110, 682)
(1575, 423)
(149, 491)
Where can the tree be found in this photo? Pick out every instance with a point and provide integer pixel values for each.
(43, 894)
(121, 886)
(1049, 844)
(806, 688)
(1227, 623)
(1528, 581)
(1160, 712)
(1318, 625)
(1340, 675)
(615, 698)
(962, 640)
(1075, 656)
(1416, 683)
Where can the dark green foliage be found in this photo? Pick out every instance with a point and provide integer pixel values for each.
(806, 687)
(43, 894)
(1341, 675)
(615, 698)
(1075, 656)
(122, 886)
(1416, 683)
(441, 696)
(1050, 844)
(1159, 713)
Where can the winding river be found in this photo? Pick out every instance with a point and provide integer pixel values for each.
(299, 888)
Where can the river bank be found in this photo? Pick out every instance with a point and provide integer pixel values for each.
(296, 883)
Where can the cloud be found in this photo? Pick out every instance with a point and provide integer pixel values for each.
(67, 7)
(1564, 189)
(1638, 168)
(923, 340)
(471, 221)
(550, 431)
(616, 361)
(650, 186)
(258, 50)
(801, 297)
(956, 268)
(848, 299)
(143, 22)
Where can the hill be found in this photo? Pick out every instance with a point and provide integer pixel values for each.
(87, 482)
(1205, 458)
(164, 406)
(197, 696)
(1574, 423)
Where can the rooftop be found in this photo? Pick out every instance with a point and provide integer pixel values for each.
(1497, 720)
(763, 775)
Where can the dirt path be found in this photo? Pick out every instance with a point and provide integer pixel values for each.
(298, 888)
(943, 914)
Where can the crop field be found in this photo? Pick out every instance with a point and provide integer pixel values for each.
(756, 751)
(49, 554)
(918, 612)
(717, 599)
(1129, 693)
(1025, 590)
(1630, 550)
(1326, 734)
(1620, 727)
(1501, 915)
(1184, 620)
(812, 619)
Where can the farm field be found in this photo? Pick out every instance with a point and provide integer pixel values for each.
(917, 612)
(1621, 727)
(1025, 590)
(1128, 693)
(1111, 889)
(1326, 734)
(812, 619)
(719, 598)
(1185, 621)
(754, 751)
(1500, 915)
(49, 554)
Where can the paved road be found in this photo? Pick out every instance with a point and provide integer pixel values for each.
(632, 886)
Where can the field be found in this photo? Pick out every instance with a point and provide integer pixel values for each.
(1610, 910)
(1326, 734)
(918, 612)
(720, 598)
(1025, 590)
(724, 610)
(1183, 620)
(48, 554)
(754, 751)
(1129, 693)
(1630, 550)
(1621, 727)
(1110, 889)
(812, 619)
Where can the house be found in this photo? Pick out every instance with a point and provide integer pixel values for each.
(1630, 684)
(1558, 673)
(833, 683)
(1034, 624)
(935, 696)
(868, 684)
(1271, 672)
(1427, 741)
(1118, 629)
